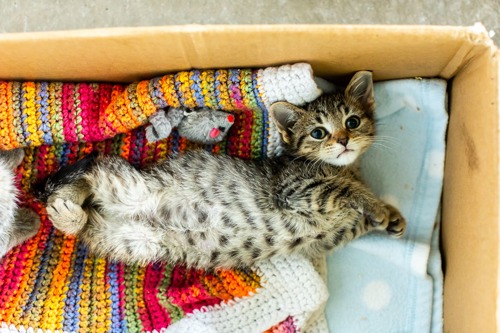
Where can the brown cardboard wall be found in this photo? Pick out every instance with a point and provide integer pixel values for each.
(130, 54)
(470, 199)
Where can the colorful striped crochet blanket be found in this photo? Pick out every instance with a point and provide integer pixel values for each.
(51, 282)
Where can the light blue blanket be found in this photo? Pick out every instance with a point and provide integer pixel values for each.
(386, 285)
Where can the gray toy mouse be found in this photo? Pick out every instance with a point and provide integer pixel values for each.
(202, 125)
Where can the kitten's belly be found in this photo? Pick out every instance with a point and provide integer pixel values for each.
(124, 196)
(208, 236)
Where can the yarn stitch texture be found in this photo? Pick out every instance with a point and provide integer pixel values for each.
(52, 283)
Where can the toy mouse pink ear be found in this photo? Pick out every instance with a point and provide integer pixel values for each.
(214, 132)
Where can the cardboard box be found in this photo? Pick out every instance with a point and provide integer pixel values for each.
(463, 55)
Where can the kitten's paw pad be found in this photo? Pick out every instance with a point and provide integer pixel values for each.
(397, 223)
(67, 216)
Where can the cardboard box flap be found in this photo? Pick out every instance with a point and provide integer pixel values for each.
(128, 54)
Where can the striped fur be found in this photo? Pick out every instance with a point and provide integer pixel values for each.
(211, 211)
(16, 224)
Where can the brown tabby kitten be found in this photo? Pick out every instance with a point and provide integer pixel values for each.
(212, 211)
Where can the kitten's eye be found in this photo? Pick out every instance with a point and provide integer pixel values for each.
(318, 133)
(187, 112)
(352, 122)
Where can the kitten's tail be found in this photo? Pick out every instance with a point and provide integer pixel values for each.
(65, 175)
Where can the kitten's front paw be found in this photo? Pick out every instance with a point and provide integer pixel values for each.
(397, 223)
(386, 217)
(378, 217)
(66, 216)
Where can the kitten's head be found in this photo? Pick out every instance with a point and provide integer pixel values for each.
(335, 128)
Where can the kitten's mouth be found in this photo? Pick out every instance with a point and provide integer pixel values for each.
(345, 152)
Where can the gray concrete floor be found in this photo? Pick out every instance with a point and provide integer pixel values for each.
(43, 15)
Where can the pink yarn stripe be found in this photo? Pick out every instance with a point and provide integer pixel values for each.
(92, 113)
(68, 113)
(188, 292)
(103, 99)
(157, 315)
(12, 277)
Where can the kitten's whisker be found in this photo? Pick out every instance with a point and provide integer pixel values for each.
(311, 161)
(299, 156)
(388, 140)
(387, 143)
(310, 165)
(317, 162)
(383, 122)
(383, 147)
(385, 137)
(392, 145)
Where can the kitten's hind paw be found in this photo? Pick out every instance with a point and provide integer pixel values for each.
(397, 223)
(26, 224)
(67, 216)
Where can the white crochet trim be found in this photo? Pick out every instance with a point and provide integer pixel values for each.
(291, 83)
(291, 287)
(5, 328)
(317, 322)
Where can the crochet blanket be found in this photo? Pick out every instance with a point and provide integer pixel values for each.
(51, 282)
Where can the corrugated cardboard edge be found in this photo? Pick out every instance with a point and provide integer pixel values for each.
(477, 40)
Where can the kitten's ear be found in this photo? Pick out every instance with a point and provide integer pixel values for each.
(361, 89)
(284, 116)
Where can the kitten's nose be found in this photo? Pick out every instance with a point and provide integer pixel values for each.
(343, 141)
